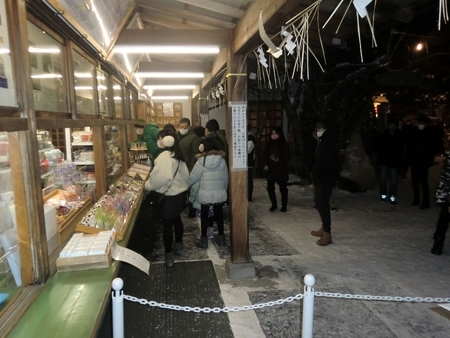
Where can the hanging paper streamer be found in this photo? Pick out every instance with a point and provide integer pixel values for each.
(262, 58)
(274, 50)
(443, 13)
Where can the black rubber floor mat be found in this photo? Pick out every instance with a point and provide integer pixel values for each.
(191, 284)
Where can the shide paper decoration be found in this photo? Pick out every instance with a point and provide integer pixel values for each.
(443, 13)
(296, 41)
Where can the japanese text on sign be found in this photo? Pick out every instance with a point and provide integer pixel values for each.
(239, 135)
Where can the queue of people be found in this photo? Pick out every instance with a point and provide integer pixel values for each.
(191, 168)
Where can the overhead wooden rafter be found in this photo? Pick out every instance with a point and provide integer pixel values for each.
(216, 7)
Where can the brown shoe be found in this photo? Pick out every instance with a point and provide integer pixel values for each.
(325, 239)
(317, 233)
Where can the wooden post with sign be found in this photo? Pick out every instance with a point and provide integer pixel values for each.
(239, 265)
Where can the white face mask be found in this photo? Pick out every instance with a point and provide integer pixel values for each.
(421, 126)
(201, 148)
(139, 131)
(183, 131)
(320, 133)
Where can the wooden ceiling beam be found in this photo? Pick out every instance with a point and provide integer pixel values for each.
(172, 22)
(219, 62)
(216, 7)
(172, 37)
(151, 5)
(246, 32)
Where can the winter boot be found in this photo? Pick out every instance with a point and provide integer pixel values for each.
(220, 240)
(284, 200)
(325, 239)
(168, 256)
(317, 233)
(177, 248)
(202, 242)
(273, 199)
(437, 247)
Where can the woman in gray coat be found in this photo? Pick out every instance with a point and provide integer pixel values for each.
(212, 172)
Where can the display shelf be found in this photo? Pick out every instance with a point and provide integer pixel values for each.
(115, 169)
(67, 227)
(46, 149)
(82, 144)
(84, 162)
(48, 173)
(86, 182)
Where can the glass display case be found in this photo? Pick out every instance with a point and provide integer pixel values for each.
(10, 268)
(113, 153)
(47, 57)
(84, 75)
(102, 92)
(118, 99)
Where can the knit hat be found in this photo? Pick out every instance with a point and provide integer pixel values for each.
(168, 141)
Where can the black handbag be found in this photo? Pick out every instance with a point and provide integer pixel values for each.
(156, 199)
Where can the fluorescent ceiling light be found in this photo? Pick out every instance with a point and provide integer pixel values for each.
(179, 97)
(117, 87)
(83, 88)
(169, 87)
(117, 98)
(46, 76)
(83, 75)
(53, 50)
(168, 49)
(4, 51)
(102, 87)
(169, 75)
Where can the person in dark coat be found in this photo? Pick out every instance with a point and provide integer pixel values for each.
(189, 142)
(442, 199)
(422, 152)
(212, 128)
(251, 144)
(325, 173)
(277, 158)
(389, 149)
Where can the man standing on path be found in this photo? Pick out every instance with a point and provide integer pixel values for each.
(325, 173)
(189, 143)
(422, 150)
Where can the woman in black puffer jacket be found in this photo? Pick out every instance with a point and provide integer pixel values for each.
(277, 157)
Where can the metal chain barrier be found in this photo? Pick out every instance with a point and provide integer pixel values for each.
(285, 300)
(306, 321)
(215, 309)
(383, 298)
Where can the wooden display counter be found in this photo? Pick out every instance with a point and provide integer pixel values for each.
(67, 226)
(120, 234)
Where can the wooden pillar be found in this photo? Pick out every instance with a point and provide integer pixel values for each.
(98, 140)
(124, 158)
(24, 159)
(239, 266)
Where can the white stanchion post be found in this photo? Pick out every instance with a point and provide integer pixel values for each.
(117, 308)
(308, 306)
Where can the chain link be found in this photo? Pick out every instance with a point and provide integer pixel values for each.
(286, 300)
(215, 309)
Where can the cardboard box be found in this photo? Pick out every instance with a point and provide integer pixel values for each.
(85, 261)
(50, 227)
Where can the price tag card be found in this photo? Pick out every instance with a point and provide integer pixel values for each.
(122, 254)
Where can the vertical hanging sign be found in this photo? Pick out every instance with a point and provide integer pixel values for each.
(239, 134)
(7, 88)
